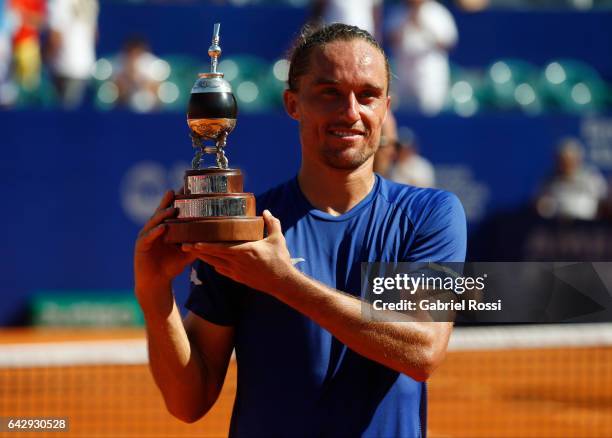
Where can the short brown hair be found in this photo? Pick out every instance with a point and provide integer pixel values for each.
(312, 37)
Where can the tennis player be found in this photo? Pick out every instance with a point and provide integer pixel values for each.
(308, 363)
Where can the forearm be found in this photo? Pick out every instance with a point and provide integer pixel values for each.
(177, 368)
(413, 348)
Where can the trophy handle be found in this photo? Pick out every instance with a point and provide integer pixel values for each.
(222, 162)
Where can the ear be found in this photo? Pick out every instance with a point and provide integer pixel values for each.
(290, 101)
(388, 112)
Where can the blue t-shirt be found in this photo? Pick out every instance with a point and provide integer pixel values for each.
(294, 377)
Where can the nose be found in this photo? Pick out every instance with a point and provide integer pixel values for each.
(350, 109)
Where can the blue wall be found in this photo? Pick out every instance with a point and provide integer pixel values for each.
(537, 37)
(267, 31)
(77, 186)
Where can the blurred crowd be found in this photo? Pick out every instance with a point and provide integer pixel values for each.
(48, 58)
(54, 42)
(574, 189)
(57, 39)
(67, 52)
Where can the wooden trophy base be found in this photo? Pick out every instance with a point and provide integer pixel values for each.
(214, 209)
(233, 229)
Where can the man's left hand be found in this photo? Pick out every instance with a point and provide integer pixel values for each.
(262, 265)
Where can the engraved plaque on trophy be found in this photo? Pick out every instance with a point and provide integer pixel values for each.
(213, 207)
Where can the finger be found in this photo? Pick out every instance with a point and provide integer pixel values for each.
(214, 261)
(187, 247)
(218, 248)
(159, 217)
(273, 225)
(147, 239)
(189, 258)
(224, 271)
(192, 248)
(165, 201)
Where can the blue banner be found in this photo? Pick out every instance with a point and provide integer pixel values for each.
(76, 187)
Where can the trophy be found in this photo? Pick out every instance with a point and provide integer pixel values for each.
(213, 207)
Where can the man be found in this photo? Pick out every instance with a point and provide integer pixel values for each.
(576, 189)
(308, 363)
(422, 36)
(385, 154)
(410, 167)
(26, 42)
(365, 14)
(135, 75)
(73, 28)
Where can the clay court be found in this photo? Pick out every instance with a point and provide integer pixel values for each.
(495, 392)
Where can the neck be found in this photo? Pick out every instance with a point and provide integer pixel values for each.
(335, 191)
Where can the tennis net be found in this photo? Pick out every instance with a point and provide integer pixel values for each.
(515, 381)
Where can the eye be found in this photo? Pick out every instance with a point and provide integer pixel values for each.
(367, 95)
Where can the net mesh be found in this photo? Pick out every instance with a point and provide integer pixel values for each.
(100, 400)
(550, 392)
(508, 382)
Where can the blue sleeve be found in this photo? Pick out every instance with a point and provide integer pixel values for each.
(441, 232)
(213, 297)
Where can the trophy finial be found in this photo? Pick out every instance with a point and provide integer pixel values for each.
(214, 51)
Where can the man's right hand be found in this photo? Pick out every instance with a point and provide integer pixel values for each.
(156, 262)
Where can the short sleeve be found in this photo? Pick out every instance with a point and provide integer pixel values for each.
(212, 296)
(441, 234)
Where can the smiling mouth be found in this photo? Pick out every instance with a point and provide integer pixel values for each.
(346, 133)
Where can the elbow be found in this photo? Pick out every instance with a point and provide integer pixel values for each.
(426, 365)
(431, 350)
(422, 371)
(188, 418)
(429, 358)
(186, 415)
(185, 411)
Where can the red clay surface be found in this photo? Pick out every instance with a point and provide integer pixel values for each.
(520, 393)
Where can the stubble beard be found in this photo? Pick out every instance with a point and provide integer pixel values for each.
(338, 159)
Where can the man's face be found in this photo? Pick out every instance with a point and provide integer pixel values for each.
(341, 103)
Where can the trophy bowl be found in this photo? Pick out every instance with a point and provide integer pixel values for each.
(211, 128)
(212, 107)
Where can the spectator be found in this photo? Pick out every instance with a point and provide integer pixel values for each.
(5, 41)
(410, 168)
(136, 76)
(8, 22)
(71, 49)
(575, 190)
(421, 37)
(364, 14)
(26, 42)
(385, 155)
